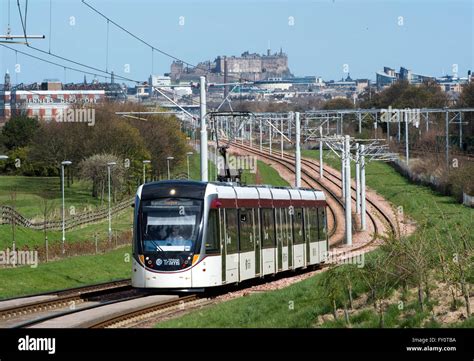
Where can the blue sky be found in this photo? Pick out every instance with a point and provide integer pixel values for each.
(319, 37)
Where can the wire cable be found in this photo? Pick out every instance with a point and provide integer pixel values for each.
(153, 48)
(53, 63)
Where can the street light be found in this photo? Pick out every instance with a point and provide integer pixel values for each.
(145, 162)
(188, 154)
(63, 164)
(168, 162)
(109, 165)
(3, 157)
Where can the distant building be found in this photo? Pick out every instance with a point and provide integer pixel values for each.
(389, 76)
(248, 66)
(45, 100)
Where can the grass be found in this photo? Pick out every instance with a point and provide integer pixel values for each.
(271, 309)
(295, 306)
(32, 238)
(31, 191)
(268, 175)
(73, 272)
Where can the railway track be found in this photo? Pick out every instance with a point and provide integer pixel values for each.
(30, 306)
(165, 308)
(379, 220)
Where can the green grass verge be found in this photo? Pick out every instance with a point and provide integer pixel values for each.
(31, 191)
(295, 306)
(268, 175)
(32, 238)
(72, 272)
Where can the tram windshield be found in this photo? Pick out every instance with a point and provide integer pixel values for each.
(170, 224)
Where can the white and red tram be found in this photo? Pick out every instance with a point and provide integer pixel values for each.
(196, 235)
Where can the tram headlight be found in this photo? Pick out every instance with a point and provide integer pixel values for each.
(173, 192)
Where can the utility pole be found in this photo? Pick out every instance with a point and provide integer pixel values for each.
(281, 136)
(362, 185)
(343, 170)
(347, 164)
(357, 170)
(261, 134)
(399, 127)
(321, 167)
(407, 156)
(270, 136)
(204, 173)
(447, 140)
(250, 132)
(297, 151)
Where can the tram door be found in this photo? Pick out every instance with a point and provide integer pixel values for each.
(258, 246)
(223, 243)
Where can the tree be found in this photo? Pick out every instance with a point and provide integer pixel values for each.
(405, 95)
(94, 169)
(381, 279)
(19, 131)
(338, 103)
(336, 285)
(466, 98)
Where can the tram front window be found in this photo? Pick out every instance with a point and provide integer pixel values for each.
(170, 224)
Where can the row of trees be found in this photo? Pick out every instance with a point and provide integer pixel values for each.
(36, 148)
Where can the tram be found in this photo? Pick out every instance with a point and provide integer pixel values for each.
(191, 235)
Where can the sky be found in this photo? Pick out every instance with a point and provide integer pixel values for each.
(326, 38)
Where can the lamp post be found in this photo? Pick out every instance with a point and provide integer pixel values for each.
(168, 163)
(109, 165)
(63, 164)
(188, 154)
(145, 162)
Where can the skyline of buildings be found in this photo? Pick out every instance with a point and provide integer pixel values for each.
(273, 80)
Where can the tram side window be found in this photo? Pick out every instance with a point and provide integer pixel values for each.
(322, 224)
(313, 220)
(256, 222)
(212, 241)
(298, 226)
(246, 230)
(308, 227)
(287, 226)
(232, 235)
(284, 227)
(268, 228)
(279, 226)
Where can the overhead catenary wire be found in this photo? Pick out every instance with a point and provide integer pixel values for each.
(82, 64)
(153, 48)
(23, 22)
(53, 63)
